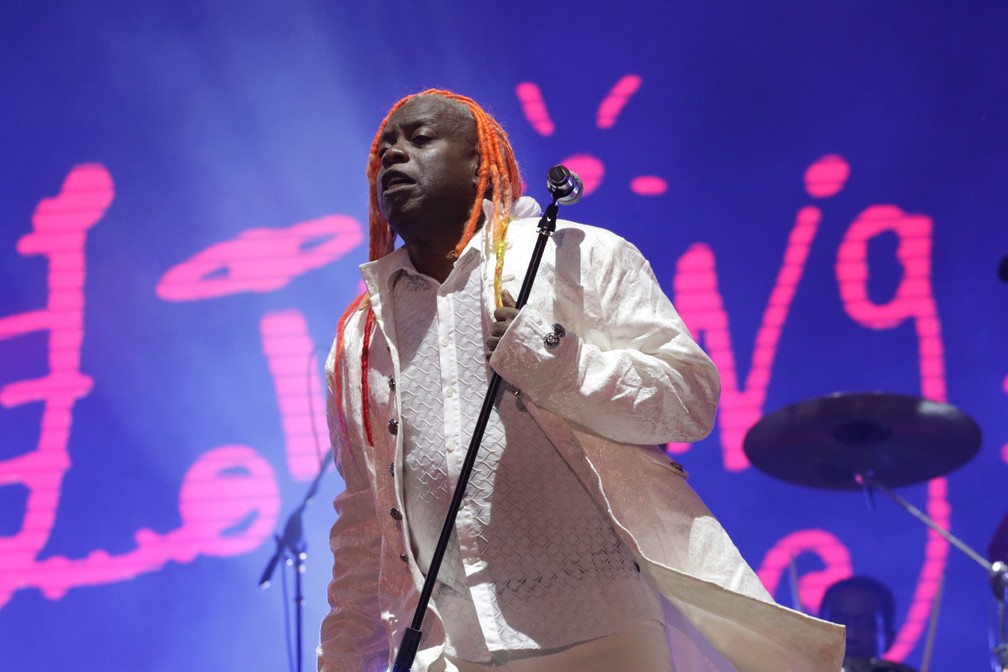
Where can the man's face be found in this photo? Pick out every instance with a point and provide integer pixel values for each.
(858, 609)
(426, 184)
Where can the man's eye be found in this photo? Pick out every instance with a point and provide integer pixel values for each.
(421, 139)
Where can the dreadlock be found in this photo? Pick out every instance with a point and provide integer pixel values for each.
(499, 178)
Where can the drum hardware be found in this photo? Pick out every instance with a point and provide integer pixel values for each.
(871, 441)
(875, 665)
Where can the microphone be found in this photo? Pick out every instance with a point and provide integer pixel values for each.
(565, 185)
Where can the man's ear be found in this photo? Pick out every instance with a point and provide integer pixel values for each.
(475, 170)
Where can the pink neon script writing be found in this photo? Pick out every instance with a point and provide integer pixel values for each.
(590, 168)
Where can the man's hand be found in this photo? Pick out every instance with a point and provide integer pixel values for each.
(504, 316)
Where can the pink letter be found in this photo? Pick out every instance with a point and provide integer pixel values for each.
(261, 260)
(812, 585)
(228, 505)
(913, 300)
(295, 370)
(699, 302)
(60, 230)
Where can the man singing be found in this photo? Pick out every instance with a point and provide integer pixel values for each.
(578, 545)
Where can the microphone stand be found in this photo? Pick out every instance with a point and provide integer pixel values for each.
(292, 544)
(411, 637)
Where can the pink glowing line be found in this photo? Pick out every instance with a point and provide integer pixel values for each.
(1004, 448)
(290, 354)
(534, 108)
(219, 493)
(827, 176)
(590, 168)
(812, 585)
(913, 299)
(648, 185)
(617, 98)
(261, 260)
(60, 226)
(699, 301)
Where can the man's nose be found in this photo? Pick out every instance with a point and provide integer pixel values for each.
(393, 154)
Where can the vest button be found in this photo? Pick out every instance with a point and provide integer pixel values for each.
(393, 426)
(395, 514)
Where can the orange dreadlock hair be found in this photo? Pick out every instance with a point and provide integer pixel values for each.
(498, 173)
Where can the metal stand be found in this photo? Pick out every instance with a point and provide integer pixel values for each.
(999, 576)
(411, 637)
(292, 545)
(996, 571)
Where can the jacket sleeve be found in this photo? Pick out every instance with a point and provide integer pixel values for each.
(626, 367)
(352, 636)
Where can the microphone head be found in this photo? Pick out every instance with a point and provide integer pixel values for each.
(565, 185)
(557, 176)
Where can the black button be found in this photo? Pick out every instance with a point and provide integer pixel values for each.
(395, 514)
(393, 426)
(391, 470)
(403, 557)
(391, 383)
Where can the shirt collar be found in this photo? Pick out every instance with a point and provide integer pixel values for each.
(384, 272)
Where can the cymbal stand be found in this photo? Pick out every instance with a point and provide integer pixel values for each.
(997, 572)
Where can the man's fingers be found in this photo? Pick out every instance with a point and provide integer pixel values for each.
(503, 317)
(505, 313)
(491, 346)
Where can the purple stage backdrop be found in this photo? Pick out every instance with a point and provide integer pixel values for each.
(822, 188)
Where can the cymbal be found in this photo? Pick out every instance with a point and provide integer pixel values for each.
(897, 439)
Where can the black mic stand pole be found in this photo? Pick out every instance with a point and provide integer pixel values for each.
(293, 544)
(411, 637)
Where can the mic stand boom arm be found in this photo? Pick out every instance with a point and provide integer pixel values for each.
(411, 637)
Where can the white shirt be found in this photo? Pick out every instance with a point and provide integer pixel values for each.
(533, 563)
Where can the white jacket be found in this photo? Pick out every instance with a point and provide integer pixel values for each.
(627, 374)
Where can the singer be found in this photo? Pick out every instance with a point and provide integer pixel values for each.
(579, 545)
